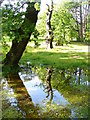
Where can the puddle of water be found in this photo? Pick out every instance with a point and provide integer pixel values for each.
(43, 92)
(38, 93)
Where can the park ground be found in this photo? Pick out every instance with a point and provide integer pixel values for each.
(72, 55)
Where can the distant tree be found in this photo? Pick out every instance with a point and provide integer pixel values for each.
(49, 36)
(64, 27)
(79, 11)
(81, 21)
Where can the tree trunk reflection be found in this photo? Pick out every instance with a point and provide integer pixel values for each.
(48, 83)
(24, 100)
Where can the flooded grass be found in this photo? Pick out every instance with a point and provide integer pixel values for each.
(39, 92)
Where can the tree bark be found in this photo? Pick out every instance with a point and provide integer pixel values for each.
(81, 23)
(85, 21)
(78, 31)
(49, 37)
(18, 47)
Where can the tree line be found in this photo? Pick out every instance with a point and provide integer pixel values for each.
(69, 22)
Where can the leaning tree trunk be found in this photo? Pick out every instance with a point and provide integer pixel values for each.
(49, 37)
(17, 48)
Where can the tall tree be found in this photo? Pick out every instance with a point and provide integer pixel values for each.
(79, 11)
(63, 25)
(19, 26)
(85, 9)
(81, 21)
(77, 22)
(49, 37)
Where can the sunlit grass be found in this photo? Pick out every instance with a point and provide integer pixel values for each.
(74, 47)
(72, 55)
(67, 56)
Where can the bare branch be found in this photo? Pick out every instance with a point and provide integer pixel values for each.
(48, 7)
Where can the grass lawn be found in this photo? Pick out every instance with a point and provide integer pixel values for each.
(71, 56)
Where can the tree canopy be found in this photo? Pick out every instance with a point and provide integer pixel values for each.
(18, 22)
(68, 23)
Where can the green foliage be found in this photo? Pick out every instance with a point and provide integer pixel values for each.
(87, 33)
(41, 25)
(10, 113)
(5, 45)
(70, 5)
(64, 23)
(73, 7)
(34, 37)
(63, 26)
(15, 23)
(35, 33)
(37, 6)
(11, 21)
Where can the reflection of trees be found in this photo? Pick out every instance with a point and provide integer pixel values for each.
(48, 82)
(64, 82)
(80, 77)
(26, 72)
(61, 78)
(24, 101)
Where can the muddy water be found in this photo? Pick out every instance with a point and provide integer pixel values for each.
(38, 92)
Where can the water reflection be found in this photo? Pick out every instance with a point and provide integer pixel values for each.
(38, 90)
(48, 83)
(80, 78)
(20, 99)
(42, 92)
(47, 89)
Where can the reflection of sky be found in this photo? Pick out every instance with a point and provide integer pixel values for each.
(10, 93)
(58, 98)
(38, 94)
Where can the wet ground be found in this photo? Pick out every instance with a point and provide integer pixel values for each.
(38, 92)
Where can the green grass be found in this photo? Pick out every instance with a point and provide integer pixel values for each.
(73, 55)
